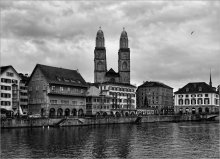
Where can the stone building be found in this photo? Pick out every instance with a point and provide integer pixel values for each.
(123, 95)
(56, 92)
(196, 98)
(100, 63)
(115, 99)
(155, 95)
(97, 102)
(10, 88)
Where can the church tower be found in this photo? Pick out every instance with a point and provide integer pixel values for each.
(100, 67)
(124, 58)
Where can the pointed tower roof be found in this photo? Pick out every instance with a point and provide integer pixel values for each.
(100, 33)
(210, 80)
(124, 34)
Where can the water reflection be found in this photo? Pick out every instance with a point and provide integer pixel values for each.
(147, 140)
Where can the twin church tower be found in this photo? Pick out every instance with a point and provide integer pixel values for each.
(101, 74)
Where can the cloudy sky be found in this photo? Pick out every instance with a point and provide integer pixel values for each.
(62, 34)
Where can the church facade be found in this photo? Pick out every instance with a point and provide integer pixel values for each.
(101, 74)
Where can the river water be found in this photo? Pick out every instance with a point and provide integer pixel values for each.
(146, 140)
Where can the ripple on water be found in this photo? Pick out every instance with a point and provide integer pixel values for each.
(149, 140)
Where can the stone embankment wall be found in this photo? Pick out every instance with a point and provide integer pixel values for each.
(39, 122)
(13, 123)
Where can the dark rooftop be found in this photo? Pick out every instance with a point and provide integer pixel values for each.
(56, 75)
(112, 73)
(196, 87)
(154, 84)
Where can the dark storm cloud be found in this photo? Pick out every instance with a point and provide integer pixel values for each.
(62, 33)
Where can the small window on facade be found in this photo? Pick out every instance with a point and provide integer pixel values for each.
(53, 88)
(10, 74)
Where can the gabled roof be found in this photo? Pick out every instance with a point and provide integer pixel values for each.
(112, 73)
(62, 76)
(196, 87)
(4, 68)
(154, 84)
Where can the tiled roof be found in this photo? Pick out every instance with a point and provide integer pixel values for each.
(112, 73)
(197, 87)
(56, 75)
(154, 84)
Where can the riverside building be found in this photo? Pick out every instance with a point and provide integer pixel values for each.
(10, 84)
(56, 92)
(156, 96)
(98, 103)
(197, 98)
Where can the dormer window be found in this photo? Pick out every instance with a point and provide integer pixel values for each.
(66, 80)
(187, 89)
(73, 81)
(200, 89)
(58, 78)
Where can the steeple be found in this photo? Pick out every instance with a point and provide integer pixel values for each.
(100, 40)
(100, 63)
(124, 58)
(124, 39)
(210, 80)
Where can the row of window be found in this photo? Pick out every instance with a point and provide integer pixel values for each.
(157, 89)
(23, 93)
(67, 102)
(23, 87)
(5, 103)
(98, 100)
(194, 101)
(10, 74)
(23, 100)
(121, 94)
(68, 89)
(118, 89)
(5, 95)
(192, 95)
(6, 80)
(6, 88)
(111, 107)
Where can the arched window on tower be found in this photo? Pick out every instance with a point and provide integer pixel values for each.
(124, 66)
(99, 65)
